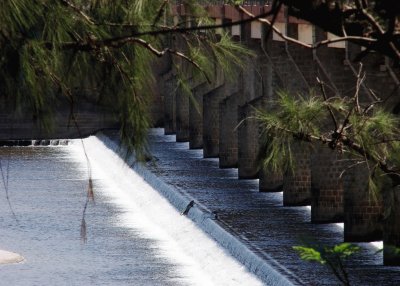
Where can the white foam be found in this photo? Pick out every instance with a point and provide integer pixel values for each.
(144, 210)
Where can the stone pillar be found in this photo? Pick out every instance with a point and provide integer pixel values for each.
(391, 234)
(196, 116)
(248, 139)
(363, 212)
(254, 91)
(169, 104)
(331, 68)
(211, 102)
(228, 138)
(326, 186)
(182, 115)
(297, 182)
(270, 181)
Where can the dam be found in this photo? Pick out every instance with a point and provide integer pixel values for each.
(214, 137)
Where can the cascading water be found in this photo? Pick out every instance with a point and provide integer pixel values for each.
(146, 211)
(137, 237)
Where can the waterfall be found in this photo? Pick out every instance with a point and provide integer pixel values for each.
(153, 208)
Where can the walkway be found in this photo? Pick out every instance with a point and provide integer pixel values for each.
(259, 219)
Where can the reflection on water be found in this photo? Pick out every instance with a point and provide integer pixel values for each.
(47, 192)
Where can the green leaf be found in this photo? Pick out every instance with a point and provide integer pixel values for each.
(309, 254)
(345, 249)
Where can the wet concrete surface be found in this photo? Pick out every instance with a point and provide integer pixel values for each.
(258, 219)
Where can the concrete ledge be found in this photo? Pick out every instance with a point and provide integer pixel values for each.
(267, 269)
(7, 257)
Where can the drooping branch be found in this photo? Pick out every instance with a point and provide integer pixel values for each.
(351, 21)
(77, 10)
(322, 87)
(93, 44)
(160, 12)
(358, 39)
(393, 173)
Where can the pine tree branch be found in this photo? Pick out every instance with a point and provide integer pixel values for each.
(322, 87)
(160, 12)
(356, 19)
(316, 45)
(93, 44)
(77, 10)
(392, 172)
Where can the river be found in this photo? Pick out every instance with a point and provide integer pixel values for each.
(134, 236)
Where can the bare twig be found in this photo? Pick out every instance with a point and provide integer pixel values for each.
(160, 12)
(77, 10)
(322, 87)
(300, 43)
(89, 193)
(159, 53)
(277, 7)
(360, 80)
(5, 184)
(379, 29)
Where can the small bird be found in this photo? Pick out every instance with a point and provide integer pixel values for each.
(188, 207)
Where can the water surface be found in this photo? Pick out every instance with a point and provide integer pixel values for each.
(47, 190)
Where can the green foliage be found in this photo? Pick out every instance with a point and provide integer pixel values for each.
(344, 250)
(60, 52)
(291, 117)
(309, 254)
(374, 129)
(325, 253)
(333, 257)
(364, 133)
(235, 2)
(229, 54)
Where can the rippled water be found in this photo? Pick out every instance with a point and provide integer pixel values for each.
(127, 244)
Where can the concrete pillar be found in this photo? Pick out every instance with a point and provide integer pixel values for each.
(196, 116)
(182, 115)
(391, 234)
(247, 144)
(297, 182)
(270, 181)
(228, 138)
(248, 139)
(332, 68)
(326, 186)
(362, 212)
(255, 89)
(169, 104)
(211, 102)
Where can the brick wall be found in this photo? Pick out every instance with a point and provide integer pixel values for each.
(170, 84)
(297, 182)
(196, 116)
(326, 186)
(228, 135)
(211, 121)
(363, 213)
(182, 114)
